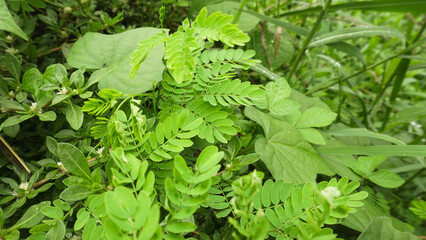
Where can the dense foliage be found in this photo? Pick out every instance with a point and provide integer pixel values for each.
(251, 119)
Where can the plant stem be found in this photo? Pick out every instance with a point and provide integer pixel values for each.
(307, 41)
(237, 17)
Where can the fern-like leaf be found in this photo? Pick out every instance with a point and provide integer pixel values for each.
(216, 122)
(144, 48)
(232, 92)
(180, 62)
(237, 57)
(288, 206)
(218, 27)
(171, 136)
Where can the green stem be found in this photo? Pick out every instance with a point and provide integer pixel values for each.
(354, 74)
(237, 17)
(307, 41)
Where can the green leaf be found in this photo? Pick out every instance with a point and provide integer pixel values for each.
(76, 192)
(316, 117)
(354, 33)
(52, 212)
(74, 116)
(181, 227)
(183, 169)
(386, 178)
(377, 5)
(74, 160)
(349, 50)
(368, 164)
(418, 207)
(208, 158)
(1, 218)
(363, 132)
(13, 235)
(144, 48)
(151, 223)
(47, 116)
(284, 151)
(381, 228)
(120, 203)
(13, 65)
(171, 191)
(113, 52)
(57, 232)
(31, 217)
(381, 150)
(62, 205)
(218, 26)
(246, 21)
(179, 56)
(83, 217)
(7, 23)
(312, 135)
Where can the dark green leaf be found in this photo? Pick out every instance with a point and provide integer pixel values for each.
(12, 63)
(31, 217)
(74, 160)
(74, 116)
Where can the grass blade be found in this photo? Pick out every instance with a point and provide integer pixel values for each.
(413, 6)
(378, 150)
(363, 132)
(290, 27)
(354, 33)
(349, 50)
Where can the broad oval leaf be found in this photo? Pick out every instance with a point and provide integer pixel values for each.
(113, 52)
(76, 192)
(208, 158)
(181, 227)
(316, 117)
(74, 160)
(386, 178)
(52, 212)
(74, 116)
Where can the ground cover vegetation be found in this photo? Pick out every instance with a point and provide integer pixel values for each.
(251, 119)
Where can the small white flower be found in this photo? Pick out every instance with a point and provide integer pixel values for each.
(33, 106)
(75, 91)
(330, 193)
(62, 91)
(99, 151)
(23, 185)
(61, 166)
(3, 109)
